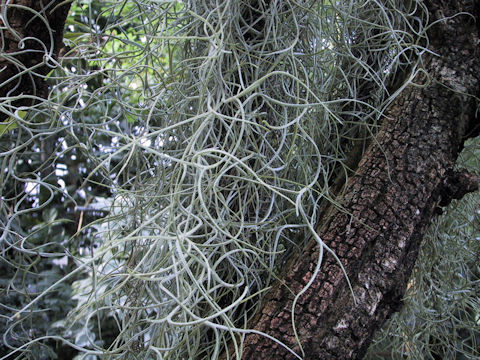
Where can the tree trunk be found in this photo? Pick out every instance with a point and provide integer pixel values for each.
(28, 47)
(400, 182)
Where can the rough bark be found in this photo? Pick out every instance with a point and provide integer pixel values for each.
(401, 180)
(27, 49)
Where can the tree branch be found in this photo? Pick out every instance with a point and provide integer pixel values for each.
(26, 45)
(387, 208)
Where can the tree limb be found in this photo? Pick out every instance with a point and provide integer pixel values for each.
(387, 208)
(28, 45)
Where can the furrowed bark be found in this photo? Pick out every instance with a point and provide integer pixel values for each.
(401, 180)
(27, 47)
